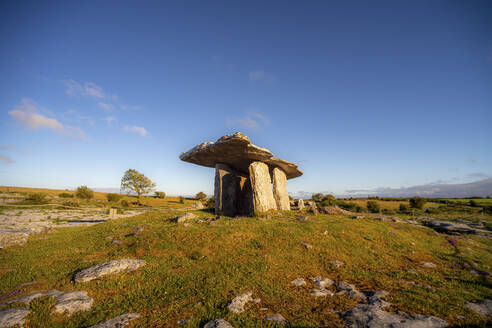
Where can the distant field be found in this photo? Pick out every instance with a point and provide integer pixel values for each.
(466, 201)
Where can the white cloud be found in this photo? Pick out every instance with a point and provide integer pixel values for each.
(260, 76)
(88, 89)
(27, 114)
(136, 129)
(105, 106)
(109, 120)
(6, 159)
(252, 121)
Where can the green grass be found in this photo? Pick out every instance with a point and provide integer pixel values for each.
(195, 271)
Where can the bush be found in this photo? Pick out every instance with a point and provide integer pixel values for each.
(160, 194)
(65, 195)
(473, 203)
(210, 203)
(181, 200)
(113, 197)
(124, 203)
(83, 192)
(317, 197)
(403, 208)
(417, 202)
(201, 195)
(71, 203)
(372, 206)
(37, 198)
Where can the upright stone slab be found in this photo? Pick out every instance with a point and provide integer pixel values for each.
(227, 190)
(246, 197)
(280, 189)
(261, 184)
(300, 204)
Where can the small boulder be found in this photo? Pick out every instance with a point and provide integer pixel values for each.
(298, 282)
(13, 317)
(321, 292)
(237, 304)
(428, 265)
(71, 302)
(306, 245)
(198, 206)
(99, 270)
(218, 323)
(302, 218)
(277, 318)
(483, 307)
(322, 282)
(185, 217)
(336, 264)
(118, 322)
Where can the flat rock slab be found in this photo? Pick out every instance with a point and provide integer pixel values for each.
(298, 282)
(13, 237)
(185, 217)
(483, 307)
(118, 322)
(116, 266)
(237, 151)
(454, 228)
(237, 304)
(13, 317)
(277, 318)
(371, 315)
(218, 323)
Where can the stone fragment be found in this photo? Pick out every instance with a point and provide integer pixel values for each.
(483, 307)
(302, 218)
(306, 245)
(226, 190)
(117, 322)
(372, 315)
(277, 318)
(116, 266)
(336, 264)
(218, 323)
(321, 292)
(263, 200)
(345, 288)
(237, 304)
(185, 217)
(429, 265)
(13, 317)
(13, 237)
(300, 204)
(298, 282)
(71, 302)
(198, 206)
(280, 189)
(322, 282)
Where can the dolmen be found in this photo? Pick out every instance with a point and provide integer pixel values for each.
(248, 179)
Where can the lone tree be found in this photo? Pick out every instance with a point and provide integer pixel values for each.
(84, 192)
(417, 202)
(201, 195)
(136, 182)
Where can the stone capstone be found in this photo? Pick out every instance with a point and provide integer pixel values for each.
(118, 322)
(280, 189)
(262, 189)
(14, 317)
(99, 270)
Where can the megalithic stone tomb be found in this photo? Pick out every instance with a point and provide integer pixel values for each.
(248, 179)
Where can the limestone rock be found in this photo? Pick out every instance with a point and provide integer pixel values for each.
(218, 323)
(345, 288)
(429, 265)
(226, 191)
(334, 210)
(13, 317)
(13, 237)
(321, 292)
(280, 189)
(322, 282)
(483, 307)
(298, 282)
(116, 266)
(185, 217)
(300, 204)
(278, 318)
(71, 302)
(261, 186)
(372, 315)
(237, 304)
(306, 245)
(455, 228)
(236, 151)
(336, 264)
(198, 206)
(118, 322)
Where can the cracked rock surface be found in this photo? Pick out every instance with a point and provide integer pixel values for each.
(237, 304)
(13, 317)
(116, 266)
(118, 322)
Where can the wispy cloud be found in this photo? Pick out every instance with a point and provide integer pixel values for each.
(251, 121)
(109, 120)
(27, 113)
(136, 129)
(88, 89)
(478, 175)
(6, 159)
(260, 76)
(129, 107)
(105, 106)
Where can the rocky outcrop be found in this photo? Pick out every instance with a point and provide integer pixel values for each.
(14, 317)
(243, 184)
(280, 189)
(483, 307)
(185, 217)
(455, 228)
(13, 237)
(262, 189)
(116, 266)
(118, 322)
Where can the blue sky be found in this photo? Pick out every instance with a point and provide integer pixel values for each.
(359, 94)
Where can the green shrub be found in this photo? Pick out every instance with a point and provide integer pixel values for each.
(210, 203)
(372, 206)
(317, 197)
(473, 203)
(403, 208)
(37, 198)
(113, 197)
(83, 192)
(417, 202)
(124, 203)
(65, 195)
(181, 200)
(201, 195)
(160, 194)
